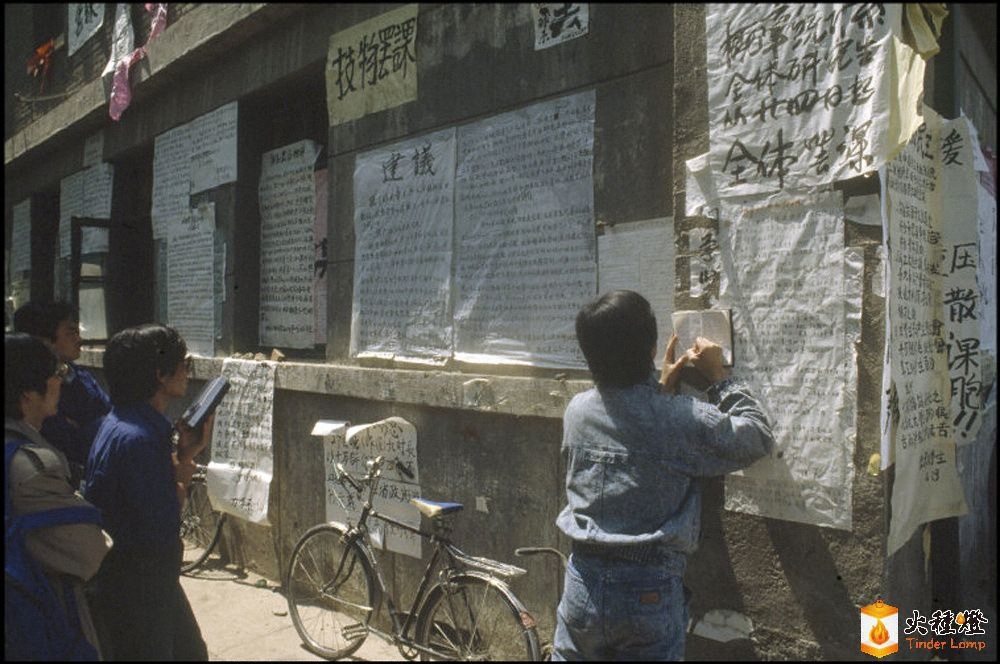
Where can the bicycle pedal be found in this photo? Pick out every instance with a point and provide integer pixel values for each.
(355, 631)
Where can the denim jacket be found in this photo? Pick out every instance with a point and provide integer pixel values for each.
(633, 458)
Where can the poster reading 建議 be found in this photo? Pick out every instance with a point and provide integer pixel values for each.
(287, 197)
(403, 221)
(805, 94)
(526, 250)
(240, 471)
(795, 291)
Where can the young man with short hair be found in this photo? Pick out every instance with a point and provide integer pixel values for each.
(634, 454)
(83, 403)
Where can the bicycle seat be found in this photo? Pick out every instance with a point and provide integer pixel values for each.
(433, 508)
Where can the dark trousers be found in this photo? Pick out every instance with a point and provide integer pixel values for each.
(141, 612)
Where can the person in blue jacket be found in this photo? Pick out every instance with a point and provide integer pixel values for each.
(83, 403)
(139, 483)
(634, 454)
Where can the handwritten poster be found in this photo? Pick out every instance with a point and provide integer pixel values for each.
(526, 245)
(558, 22)
(86, 193)
(321, 257)
(639, 256)
(213, 148)
(403, 220)
(20, 239)
(287, 195)
(804, 94)
(372, 66)
(171, 178)
(926, 483)
(795, 292)
(191, 279)
(395, 440)
(239, 473)
(93, 150)
(962, 303)
(85, 19)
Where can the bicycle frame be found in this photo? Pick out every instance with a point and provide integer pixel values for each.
(359, 533)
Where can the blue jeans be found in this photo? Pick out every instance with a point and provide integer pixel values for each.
(620, 611)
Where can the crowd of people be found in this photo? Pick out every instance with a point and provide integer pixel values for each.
(634, 451)
(73, 450)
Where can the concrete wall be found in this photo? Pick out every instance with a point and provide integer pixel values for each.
(800, 585)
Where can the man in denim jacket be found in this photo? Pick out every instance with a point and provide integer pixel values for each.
(634, 452)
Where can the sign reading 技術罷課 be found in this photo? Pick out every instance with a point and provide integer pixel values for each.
(372, 66)
(804, 94)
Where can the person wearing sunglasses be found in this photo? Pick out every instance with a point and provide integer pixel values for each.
(83, 402)
(38, 480)
(139, 483)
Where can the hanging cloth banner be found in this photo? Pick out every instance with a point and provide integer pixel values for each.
(122, 56)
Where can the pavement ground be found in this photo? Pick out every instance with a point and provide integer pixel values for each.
(244, 617)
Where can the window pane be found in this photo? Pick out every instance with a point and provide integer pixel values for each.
(93, 320)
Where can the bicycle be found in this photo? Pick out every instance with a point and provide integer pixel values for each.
(335, 590)
(200, 524)
(546, 648)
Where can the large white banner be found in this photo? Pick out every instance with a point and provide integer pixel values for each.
(926, 485)
(803, 94)
(795, 293)
(526, 245)
(287, 195)
(403, 220)
(239, 474)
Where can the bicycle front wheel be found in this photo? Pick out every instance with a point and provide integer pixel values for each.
(200, 527)
(477, 617)
(331, 592)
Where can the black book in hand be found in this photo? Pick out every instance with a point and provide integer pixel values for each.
(206, 402)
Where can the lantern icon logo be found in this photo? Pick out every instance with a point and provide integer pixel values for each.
(879, 629)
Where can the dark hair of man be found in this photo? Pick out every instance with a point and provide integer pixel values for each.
(28, 365)
(136, 356)
(617, 332)
(42, 319)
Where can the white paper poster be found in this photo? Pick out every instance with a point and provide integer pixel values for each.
(795, 293)
(962, 305)
(171, 178)
(804, 94)
(526, 244)
(558, 22)
(403, 220)
(20, 240)
(395, 440)
(191, 279)
(86, 193)
(287, 196)
(213, 148)
(321, 257)
(93, 150)
(85, 19)
(639, 256)
(239, 474)
(926, 485)
(123, 41)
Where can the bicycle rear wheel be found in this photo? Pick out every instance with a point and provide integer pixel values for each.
(200, 526)
(477, 617)
(331, 592)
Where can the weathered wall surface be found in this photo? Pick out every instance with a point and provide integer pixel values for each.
(800, 585)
